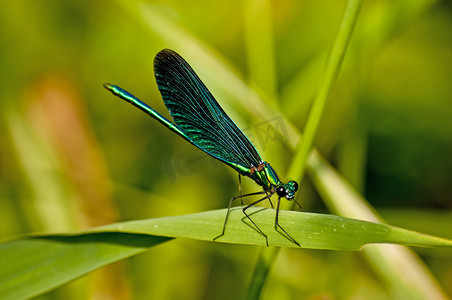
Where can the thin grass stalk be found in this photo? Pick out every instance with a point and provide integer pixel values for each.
(298, 166)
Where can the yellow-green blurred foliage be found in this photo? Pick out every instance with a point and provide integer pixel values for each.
(72, 156)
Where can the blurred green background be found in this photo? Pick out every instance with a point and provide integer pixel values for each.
(72, 156)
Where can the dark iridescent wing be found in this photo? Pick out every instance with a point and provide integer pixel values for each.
(196, 112)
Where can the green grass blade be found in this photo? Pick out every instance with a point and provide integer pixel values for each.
(313, 231)
(34, 265)
(333, 65)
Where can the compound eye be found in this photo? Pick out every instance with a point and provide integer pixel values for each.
(295, 186)
(281, 191)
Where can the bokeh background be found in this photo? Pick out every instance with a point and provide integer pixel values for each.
(72, 156)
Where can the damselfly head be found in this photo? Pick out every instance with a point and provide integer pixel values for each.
(287, 190)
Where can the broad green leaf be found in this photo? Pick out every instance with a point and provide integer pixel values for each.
(33, 265)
